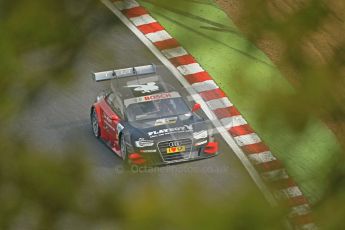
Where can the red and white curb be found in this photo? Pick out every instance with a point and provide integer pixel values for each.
(266, 170)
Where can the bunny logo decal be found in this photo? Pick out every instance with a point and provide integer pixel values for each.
(148, 88)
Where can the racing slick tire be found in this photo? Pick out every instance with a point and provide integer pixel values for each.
(94, 123)
(123, 148)
(124, 154)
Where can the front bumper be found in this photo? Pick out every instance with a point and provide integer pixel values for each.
(159, 158)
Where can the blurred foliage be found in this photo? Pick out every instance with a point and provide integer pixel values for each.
(306, 40)
(303, 38)
(40, 42)
(37, 192)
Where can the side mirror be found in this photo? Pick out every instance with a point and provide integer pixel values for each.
(196, 107)
(114, 118)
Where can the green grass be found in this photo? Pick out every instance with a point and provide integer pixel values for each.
(246, 74)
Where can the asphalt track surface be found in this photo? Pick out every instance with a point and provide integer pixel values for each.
(59, 119)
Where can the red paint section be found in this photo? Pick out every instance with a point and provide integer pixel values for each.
(298, 200)
(150, 28)
(212, 94)
(134, 156)
(196, 107)
(183, 60)
(255, 148)
(211, 148)
(241, 130)
(302, 220)
(226, 112)
(198, 77)
(269, 166)
(135, 12)
(167, 44)
(284, 183)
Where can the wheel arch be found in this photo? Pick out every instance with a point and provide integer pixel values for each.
(96, 108)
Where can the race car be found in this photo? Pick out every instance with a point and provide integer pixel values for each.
(147, 122)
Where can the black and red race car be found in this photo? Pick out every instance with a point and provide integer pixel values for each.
(147, 122)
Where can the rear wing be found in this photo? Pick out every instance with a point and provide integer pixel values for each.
(122, 73)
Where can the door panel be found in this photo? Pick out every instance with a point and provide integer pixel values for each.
(110, 121)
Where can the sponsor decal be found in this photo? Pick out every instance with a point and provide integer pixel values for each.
(166, 121)
(167, 131)
(108, 123)
(153, 97)
(157, 97)
(141, 143)
(148, 151)
(148, 88)
(107, 118)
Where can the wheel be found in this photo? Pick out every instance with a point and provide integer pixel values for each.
(94, 122)
(124, 152)
(123, 148)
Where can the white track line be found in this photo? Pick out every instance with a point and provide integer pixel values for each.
(275, 175)
(290, 192)
(174, 52)
(202, 86)
(263, 157)
(310, 226)
(247, 139)
(300, 210)
(142, 20)
(125, 5)
(219, 103)
(190, 69)
(197, 98)
(158, 36)
(234, 121)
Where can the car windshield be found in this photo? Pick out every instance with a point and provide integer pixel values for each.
(156, 109)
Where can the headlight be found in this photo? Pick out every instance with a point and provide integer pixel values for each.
(200, 143)
(200, 135)
(141, 143)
